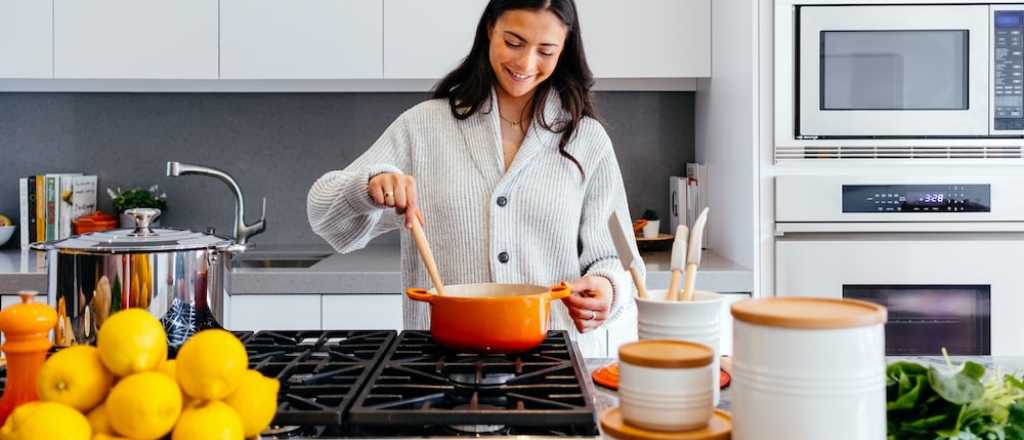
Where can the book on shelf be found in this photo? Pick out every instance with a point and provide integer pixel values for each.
(49, 204)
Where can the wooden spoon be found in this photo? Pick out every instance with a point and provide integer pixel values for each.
(679, 247)
(428, 257)
(693, 254)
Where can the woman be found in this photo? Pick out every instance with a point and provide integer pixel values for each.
(508, 170)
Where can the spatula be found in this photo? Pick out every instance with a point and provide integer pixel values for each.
(693, 254)
(627, 254)
(428, 257)
(678, 261)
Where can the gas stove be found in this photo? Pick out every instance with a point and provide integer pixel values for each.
(382, 384)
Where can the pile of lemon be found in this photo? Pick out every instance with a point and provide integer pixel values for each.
(126, 388)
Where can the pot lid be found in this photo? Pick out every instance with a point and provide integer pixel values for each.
(141, 239)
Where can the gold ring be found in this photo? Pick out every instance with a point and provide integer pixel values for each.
(388, 194)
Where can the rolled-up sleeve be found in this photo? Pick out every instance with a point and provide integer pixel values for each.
(338, 205)
(606, 193)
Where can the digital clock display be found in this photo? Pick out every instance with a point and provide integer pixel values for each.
(932, 198)
(910, 199)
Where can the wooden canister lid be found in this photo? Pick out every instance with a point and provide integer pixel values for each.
(718, 428)
(666, 353)
(809, 312)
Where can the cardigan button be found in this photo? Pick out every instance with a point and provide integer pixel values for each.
(502, 201)
(503, 257)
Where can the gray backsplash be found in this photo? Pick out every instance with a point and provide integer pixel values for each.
(275, 145)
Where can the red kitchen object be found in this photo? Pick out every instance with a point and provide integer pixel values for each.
(608, 377)
(95, 222)
(490, 317)
(26, 326)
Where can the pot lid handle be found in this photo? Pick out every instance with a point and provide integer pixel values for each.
(143, 217)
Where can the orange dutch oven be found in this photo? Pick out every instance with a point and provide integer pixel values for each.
(489, 317)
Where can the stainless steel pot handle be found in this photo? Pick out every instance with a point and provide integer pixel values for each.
(143, 217)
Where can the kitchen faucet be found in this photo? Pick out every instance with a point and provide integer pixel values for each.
(242, 230)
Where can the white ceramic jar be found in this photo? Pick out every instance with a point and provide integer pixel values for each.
(665, 385)
(698, 320)
(808, 368)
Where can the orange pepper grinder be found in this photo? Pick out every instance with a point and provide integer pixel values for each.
(26, 327)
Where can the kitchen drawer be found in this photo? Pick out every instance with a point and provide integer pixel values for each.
(146, 39)
(362, 312)
(310, 39)
(274, 312)
(26, 39)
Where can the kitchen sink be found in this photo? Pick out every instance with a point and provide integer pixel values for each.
(276, 262)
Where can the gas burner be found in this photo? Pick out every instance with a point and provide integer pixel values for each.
(420, 383)
(477, 429)
(479, 379)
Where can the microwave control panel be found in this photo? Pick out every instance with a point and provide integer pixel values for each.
(904, 199)
(1008, 70)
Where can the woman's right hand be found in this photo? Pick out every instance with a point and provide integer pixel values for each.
(397, 191)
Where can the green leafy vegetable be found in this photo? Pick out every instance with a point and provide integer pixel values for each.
(955, 403)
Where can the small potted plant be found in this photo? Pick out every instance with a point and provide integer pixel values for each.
(653, 225)
(137, 198)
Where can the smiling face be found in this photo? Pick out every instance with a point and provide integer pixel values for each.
(524, 49)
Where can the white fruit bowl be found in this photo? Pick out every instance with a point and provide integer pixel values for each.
(5, 234)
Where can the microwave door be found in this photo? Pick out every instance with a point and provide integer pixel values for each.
(974, 277)
(872, 71)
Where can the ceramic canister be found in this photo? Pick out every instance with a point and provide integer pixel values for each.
(808, 368)
(698, 320)
(665, 385)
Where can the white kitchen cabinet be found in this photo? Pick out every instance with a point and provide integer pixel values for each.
(274, 312)
(362, 312)
(26, 39)
(146, 39)
(427, 39)
(310, 39)
(647, 38)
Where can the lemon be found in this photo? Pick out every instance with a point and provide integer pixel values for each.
(255, 401)
(46, 420)
(146, 406)
(74, 376)
(99, 420)
(105, 436)
(4, 221)
(132, 341)
(211, 421)
(168, 368)
(214, 420)
(210, 364)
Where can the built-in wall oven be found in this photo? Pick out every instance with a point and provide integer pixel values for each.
(944, 254)
(908, 70)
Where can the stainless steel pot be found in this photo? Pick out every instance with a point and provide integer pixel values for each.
(180, 276)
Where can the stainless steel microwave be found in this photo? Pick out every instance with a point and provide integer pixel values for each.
(909, 71)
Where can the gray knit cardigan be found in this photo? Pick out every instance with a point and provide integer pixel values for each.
(551, 225)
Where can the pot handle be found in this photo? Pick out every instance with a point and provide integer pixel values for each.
(417, 294)
(560, 291)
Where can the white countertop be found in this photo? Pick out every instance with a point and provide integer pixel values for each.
(373, 270)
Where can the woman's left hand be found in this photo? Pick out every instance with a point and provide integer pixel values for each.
(590, 302)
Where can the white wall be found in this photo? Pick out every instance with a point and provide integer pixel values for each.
(727, 131)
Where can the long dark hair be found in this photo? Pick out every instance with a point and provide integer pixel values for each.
(469, 85)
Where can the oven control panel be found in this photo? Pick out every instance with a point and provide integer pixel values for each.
(1008, 68)
(909, 199)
